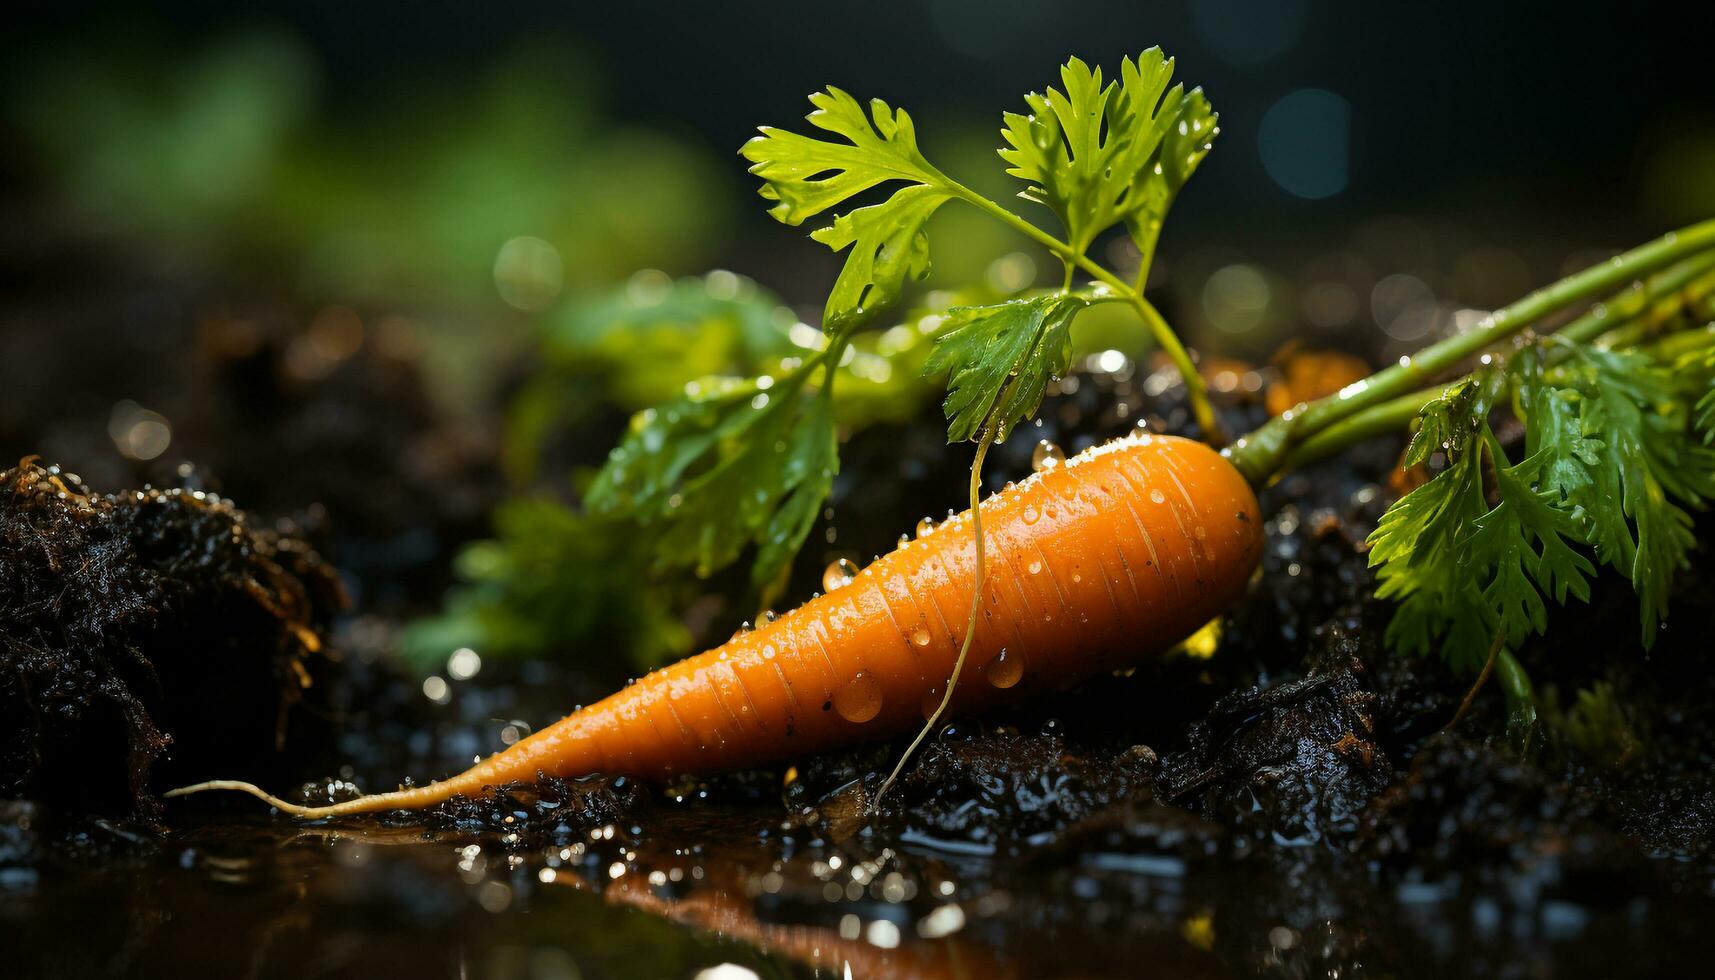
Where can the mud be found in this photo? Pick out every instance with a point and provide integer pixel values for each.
(146, 636)
(1282, 798)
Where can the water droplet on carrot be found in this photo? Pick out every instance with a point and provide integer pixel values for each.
(921, 637)
(1005, 669)
(839, 574)
(1031, 514)
(1036, 568)
(860, 699)
(925, 527)
(1046, 456)
(1157, 496)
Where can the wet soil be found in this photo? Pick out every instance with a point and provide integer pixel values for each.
(1280, 798)
(146, 636)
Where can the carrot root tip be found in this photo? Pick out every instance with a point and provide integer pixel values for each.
(240, 786)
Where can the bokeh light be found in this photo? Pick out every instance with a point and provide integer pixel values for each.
(1404, 307)
(1236, 298)
(137, 432)
(1305, 142)
(528, 273)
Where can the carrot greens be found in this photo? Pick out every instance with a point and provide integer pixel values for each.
(1097, 155)
(732, 462)
(746, 463)
(983, 348)
(1615, 455)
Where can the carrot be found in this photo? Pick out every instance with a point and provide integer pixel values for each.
(1119, 553)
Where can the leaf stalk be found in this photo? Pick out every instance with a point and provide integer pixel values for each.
(1264, 453)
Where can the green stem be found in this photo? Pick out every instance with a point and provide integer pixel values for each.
(1645, 307)
(1619, 322)
(1146, 255)
(1390, 416)
(1261, 454)
(1164, 336)
(1675, 345)
(1521, 701)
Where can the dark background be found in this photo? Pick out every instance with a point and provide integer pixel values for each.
(1484, 148)
(1556, 112)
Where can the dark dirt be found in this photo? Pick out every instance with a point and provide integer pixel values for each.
(321, 416)
(144, 628)
(1287, 806)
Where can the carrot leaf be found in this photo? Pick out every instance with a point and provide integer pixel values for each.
(1098, 154)
(1521, 550)
(998, 359)
(1416, 551)
(549, 579)
(731, 463)
(1650, 469)
(1445, 424)
(1614, 463)
(1190, 134)
(808, 176)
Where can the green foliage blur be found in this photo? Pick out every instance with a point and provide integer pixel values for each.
(472, 206)
(561, 581)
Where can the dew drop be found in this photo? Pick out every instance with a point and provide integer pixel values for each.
(925, 527)
(1031, 514)
(1005, 669)
(1046, 456)
(921, 637)
(860, 699)
(839, 574)
(1157, 496)
(1036, 568)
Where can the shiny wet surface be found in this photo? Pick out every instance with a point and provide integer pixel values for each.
(1274, 801)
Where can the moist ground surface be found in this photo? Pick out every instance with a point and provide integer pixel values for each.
(1284, 799)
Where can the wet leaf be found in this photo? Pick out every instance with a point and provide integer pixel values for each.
(999, 358)
(1098, 154)
(734, 462)
(808, 176)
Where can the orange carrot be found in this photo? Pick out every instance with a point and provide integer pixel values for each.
(1117, 554)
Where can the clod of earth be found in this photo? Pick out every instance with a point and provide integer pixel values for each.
(143, 631)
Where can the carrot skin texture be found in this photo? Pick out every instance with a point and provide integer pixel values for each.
(1093, 565)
